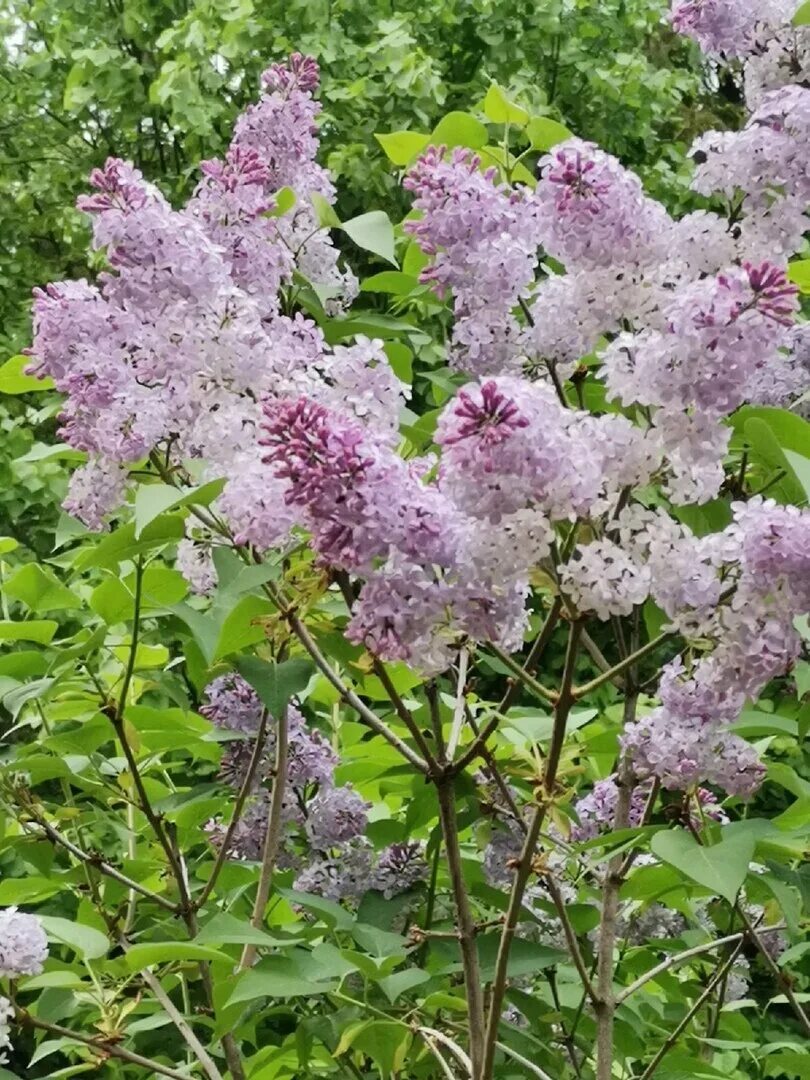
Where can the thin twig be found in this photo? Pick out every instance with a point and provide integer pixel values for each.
(570, 937)
(459, 711)
(513, 689)
(182, 1026)
(521, 1060)
(109, 1049)
(498, 989)
(523, 676)
(618, 669)
(445, 789)
(431, 1045)
(688, 954)
(369, 718)
(100, 864)
(272, 837)
(599, 658)
(452, 1046)
(673, 1037)
(236, 816)
(780, 976)
(606, 1005)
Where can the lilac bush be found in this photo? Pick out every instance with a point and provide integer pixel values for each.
(519, 605)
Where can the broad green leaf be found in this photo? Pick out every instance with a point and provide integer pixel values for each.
(297, 973)
(800, 464)
(373, 232)
(84, 940)
(335, 916)
(13, 379)
(122, 544)
(327, 218)
(376, 942)
(152, 500)
(227, 929)
(29, 890)
(390, 281)
(243, 626)
(401, 147)
(459, 129)
(801, 675)
(402, 981)
(722, 867)
(799, 271)
(544, 133)
(145, 955)
(8, 544)
(275, 683)
(802, 16)
(500, 110)
(754, 724)
(384, 1041)
(765, 443)
(40, 590)
(40, 630)
(283, 201)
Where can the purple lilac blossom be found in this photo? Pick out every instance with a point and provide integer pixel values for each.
(23, 944)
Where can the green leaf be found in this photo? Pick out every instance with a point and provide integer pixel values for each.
(227, 929)
(459, 129)
(275, 683)
(122, 544)
(284, 201)
(799, 271)
(335, 916)
(722, 867)
(144, 955)
(802, 16)
(384, 1041)
(40, 630)
(84, 940)
(8, 544)
(297, 973)
(754, 724)
(13, 379)
(327, 218)
(393, 282)
(40, 590)
(500, 110)
(544, 133)
(765, 443)
(801, 673)
(151, 500)
(373, 232)
(401, 147)
(402, 981)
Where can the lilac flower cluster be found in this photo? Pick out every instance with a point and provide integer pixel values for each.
(182, 337)
(484, 237)
(324, 823)
(23, 944)
(6, 1014)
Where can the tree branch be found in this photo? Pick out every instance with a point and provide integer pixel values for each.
(272, 837)
(445, 789)
(182, 1026)
(564, 702)
(109, 1049)
(241, 798)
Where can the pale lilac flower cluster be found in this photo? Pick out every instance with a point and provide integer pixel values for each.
(6, 1015)
(182, 338)
(596, 811)
(324, 823)
(484, 237)
(592, 212)
(731, 28)
(23, 944)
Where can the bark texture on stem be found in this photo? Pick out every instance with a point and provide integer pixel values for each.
(272, 836)
(606, 1001)
(565, 700)
(446, 792)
